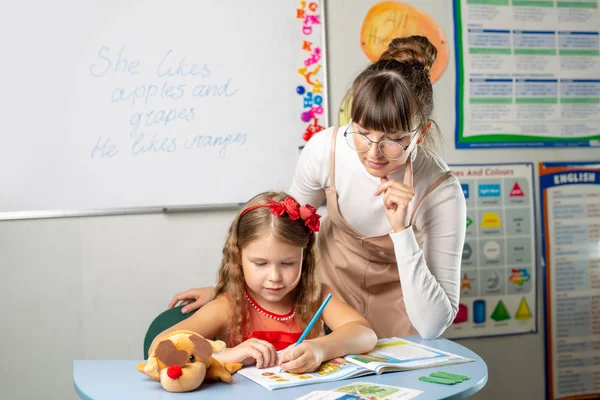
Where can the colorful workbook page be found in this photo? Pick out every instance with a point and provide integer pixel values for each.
(364, 390)
(390, 354)
(396, 354)
(333, 370)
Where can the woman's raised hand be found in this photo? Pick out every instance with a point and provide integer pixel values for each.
(396, 198)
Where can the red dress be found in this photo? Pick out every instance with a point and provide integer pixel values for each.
(279, 330)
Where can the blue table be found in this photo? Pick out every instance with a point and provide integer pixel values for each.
(119, 379)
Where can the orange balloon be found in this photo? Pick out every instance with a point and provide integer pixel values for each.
(391, 19)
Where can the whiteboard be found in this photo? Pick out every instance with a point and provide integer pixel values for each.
(112, 106)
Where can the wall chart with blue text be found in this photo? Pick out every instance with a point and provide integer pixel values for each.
(528, 73)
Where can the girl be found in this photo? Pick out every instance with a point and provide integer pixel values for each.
(392, 242)
(268, 291)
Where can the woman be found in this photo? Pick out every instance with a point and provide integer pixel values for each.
(392, 242)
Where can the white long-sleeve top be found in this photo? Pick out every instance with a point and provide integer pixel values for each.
(430, 276)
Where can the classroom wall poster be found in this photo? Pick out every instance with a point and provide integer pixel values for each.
(387, 20)
(498, 274)
(570, 198)
(311, 78)
(528, 73)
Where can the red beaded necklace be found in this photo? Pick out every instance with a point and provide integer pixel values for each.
(267, 313)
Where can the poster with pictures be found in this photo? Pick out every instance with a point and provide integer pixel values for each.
(498, 274)
(570, 198)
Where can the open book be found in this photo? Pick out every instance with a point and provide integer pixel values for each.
(391, 354)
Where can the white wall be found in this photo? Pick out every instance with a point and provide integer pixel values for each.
(87, 288)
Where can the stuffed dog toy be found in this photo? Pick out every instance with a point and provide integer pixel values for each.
(183, 360)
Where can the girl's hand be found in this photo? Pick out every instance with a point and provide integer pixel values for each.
(193, 299)
(397, 197)
(306, 357)
(250, 352)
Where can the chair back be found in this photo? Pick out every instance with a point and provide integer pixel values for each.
(163, 321)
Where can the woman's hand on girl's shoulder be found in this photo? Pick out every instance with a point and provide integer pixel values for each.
(306, 357)
(252, 351)
(192, 299)
(209, 321)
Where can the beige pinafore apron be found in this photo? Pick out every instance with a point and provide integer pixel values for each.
(363, 270)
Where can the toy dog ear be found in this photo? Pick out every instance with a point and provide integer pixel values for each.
(217, 345)
(202, 349)
(150, 368)
(169, 355)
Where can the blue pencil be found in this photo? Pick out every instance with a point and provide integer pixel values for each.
(312, 322)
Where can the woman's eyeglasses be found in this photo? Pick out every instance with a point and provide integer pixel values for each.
(390, 149)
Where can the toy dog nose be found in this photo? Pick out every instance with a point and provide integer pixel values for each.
(174, 372)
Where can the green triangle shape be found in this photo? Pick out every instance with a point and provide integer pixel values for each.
(469, 222)
(523, 312)
(500, 313)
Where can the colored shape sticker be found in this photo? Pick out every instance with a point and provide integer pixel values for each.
(516, 191)
(479, 311)
(500, 313)
(465, 282)
(491, 250)
(467, 251)
(489, 190)
(462, 315)
(523, 311)
(465, 189)
(493, 281)
(519, 276)
(491, 220)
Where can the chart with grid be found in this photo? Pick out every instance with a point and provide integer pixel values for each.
(497, 285)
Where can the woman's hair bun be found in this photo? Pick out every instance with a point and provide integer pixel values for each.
(411, 50)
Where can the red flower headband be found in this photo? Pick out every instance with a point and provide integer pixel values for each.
(290, 206)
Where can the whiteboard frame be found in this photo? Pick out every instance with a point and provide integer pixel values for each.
(45, 214)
